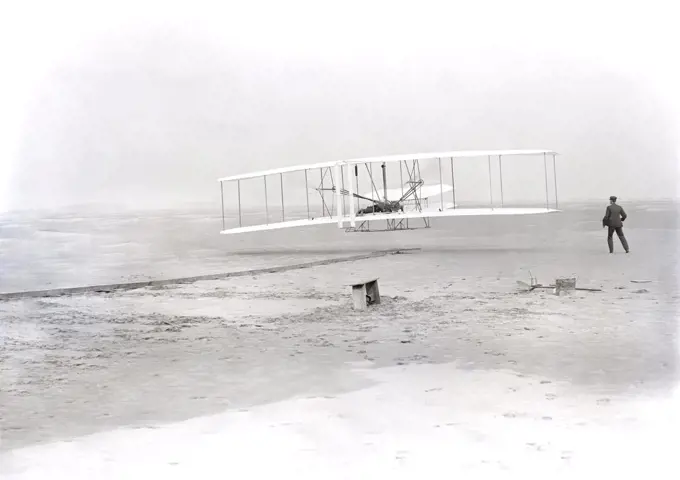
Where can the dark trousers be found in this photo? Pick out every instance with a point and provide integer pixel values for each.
(619, 233)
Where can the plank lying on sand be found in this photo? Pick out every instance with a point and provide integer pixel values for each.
(56, 292)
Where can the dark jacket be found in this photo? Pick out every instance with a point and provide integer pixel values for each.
(614, 216)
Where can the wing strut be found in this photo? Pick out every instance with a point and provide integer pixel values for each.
(384, 175)
(453, 184)
(555, 177)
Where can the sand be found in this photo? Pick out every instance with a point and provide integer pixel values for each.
(457, 371)
(427, 421)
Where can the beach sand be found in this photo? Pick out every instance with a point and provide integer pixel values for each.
(456, 371)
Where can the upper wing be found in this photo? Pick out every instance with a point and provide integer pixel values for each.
(392, 158)
(449, 154)
(277, 171)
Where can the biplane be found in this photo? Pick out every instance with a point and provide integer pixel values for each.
(410, 203)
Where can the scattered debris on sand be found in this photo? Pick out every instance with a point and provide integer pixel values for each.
(562, 284)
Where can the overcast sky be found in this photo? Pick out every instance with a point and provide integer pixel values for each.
(150, 102)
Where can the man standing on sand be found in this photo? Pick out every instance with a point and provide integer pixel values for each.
(614, 217)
